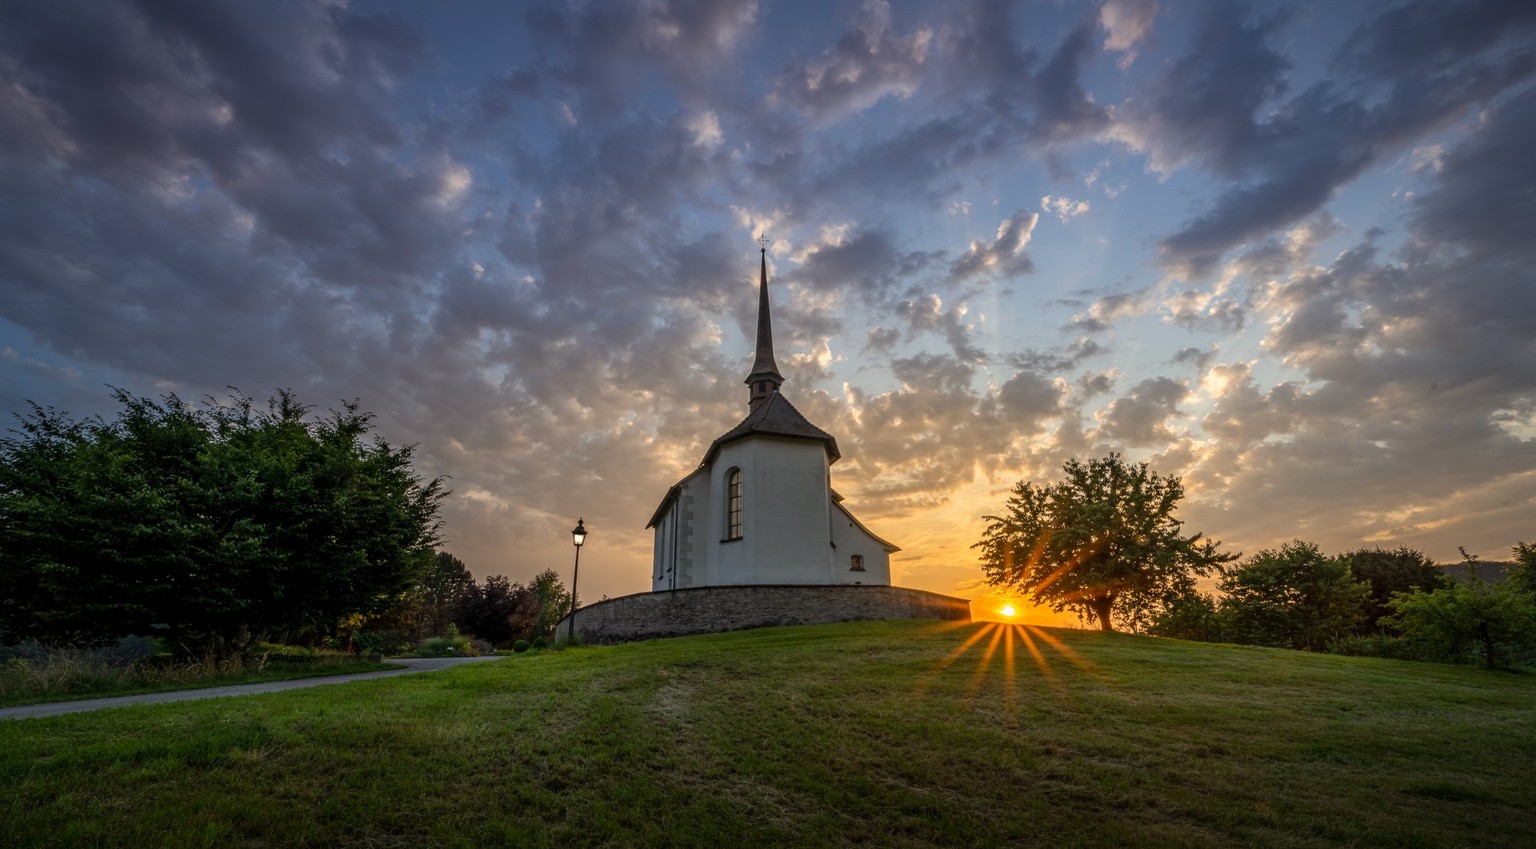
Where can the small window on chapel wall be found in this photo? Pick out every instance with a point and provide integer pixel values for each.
(733, 504)
(858, 563)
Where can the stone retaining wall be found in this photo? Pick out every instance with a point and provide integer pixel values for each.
(705, 610)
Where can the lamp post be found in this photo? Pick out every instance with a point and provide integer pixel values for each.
(578, 536)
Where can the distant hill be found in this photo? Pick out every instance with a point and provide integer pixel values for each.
(1494, 571)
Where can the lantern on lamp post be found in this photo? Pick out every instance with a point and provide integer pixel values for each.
(578, 536)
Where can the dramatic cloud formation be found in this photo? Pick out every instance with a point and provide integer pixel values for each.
(1282, 250)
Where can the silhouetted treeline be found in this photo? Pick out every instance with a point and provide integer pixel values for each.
(1372, 601)
(210, 527)
(448, 602)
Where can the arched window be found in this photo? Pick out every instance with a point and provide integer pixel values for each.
(857, 562)
(733, 504)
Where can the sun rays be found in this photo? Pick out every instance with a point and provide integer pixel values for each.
(1008, 642)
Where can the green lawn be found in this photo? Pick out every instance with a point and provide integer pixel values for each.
(868, 734)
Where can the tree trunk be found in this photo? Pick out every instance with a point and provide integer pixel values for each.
(1101, 608)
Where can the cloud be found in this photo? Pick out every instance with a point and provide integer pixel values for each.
(1064, 208)
(927, 314)
(1200, 358)
(594, 51)
(867, 63)
(1066, 359)
(1125, 23)
(1104, 311)
(535, 263)
(1005, 254)
(1224, 106)
(1140, 417)
(1395, 405)
(1476, 204)
(912, 447)
(1196, 310)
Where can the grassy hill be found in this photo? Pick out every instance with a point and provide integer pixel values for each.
(868, 734)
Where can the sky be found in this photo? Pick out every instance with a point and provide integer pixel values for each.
(1283, 251)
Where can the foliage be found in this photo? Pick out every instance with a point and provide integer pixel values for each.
(1389, 572)
(1390, 646)
(538, 643)
(439, 595)
(1291, 598)
(553, 602)
(450, 644)
(1102, 543)
(1190, 616)
(496, 610)
(1470, 620)
(520, 646)
(385, 641)
(1522, 575)
(223, 523)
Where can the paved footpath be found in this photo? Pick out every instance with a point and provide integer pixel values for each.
(411, 664)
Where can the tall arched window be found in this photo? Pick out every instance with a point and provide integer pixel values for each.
(733, 504)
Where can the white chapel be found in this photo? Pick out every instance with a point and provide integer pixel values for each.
(760, 508)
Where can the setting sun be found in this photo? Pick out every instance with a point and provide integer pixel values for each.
(1008, 611)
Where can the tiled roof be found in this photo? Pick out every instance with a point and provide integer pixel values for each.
(775, 416)
(778, 417)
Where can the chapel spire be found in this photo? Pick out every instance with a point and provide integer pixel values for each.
(765, 378)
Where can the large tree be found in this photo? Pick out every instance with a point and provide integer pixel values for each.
(446, 581)
(220, 523)
(1494, 622)
(552, 602)
(1392, 571)
(1102, 543)
(1522, 575)
(1294, 597)
(496, 610)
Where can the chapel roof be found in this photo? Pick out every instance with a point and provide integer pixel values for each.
(776, 417)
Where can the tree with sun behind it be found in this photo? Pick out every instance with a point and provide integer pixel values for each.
(1102, 543)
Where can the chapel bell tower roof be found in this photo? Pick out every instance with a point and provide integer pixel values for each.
(765, 378)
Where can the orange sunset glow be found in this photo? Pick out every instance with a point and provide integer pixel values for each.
(984, 262)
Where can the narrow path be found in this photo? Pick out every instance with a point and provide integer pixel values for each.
(411, 665)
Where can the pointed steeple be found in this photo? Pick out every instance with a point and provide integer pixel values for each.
(765, 378)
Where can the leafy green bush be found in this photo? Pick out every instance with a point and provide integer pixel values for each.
(1294, 597)
(450, 644)
(1389, 646)
(520, 646)
(383, 641)
(1392, 571)
(1474, 620)
(1188, 616)
(538, 643)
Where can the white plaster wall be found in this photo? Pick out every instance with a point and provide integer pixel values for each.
(691, 551)
(661, 551)
(852, 539)
(789, 524)
(786, 533)
(694, 552)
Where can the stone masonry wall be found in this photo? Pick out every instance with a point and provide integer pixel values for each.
(704, 610)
